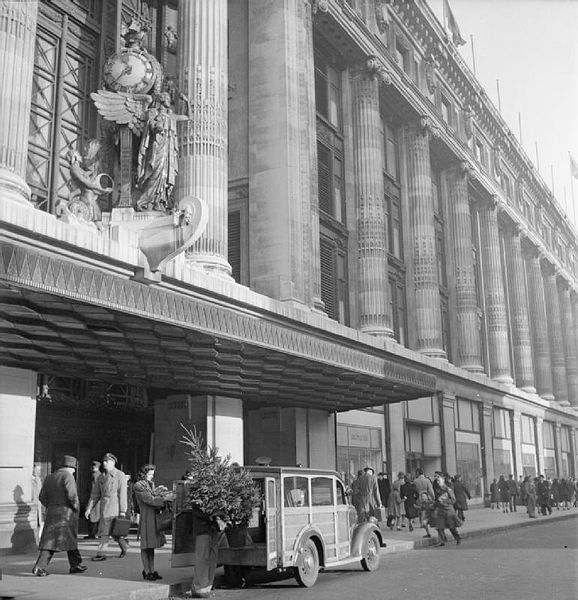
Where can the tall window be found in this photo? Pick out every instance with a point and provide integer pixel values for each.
(398, 307)
(528, 433)
(62, 115)
(330, 169)
(358, 447)
(467, 416)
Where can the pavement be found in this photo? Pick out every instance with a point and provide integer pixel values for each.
(121, 579)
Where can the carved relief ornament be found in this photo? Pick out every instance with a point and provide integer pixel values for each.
(467, 170)
(430, 75)
(376, 69)
(428, 127)
(381, 16)
(319, 5)
(469, 122)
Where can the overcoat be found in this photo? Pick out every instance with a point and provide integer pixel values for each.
(110, 490)
(462, 495)
(395, 505)
(368, 493)
(149, 505)
(95, 512)
(444, 514)
(60, 497)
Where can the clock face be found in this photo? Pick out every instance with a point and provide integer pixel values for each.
(129, 71)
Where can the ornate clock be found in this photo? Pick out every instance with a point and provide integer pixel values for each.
(131, 70)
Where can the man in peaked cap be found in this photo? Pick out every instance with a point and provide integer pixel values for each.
(59, 496)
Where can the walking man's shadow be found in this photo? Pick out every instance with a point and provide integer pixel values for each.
(23, 539)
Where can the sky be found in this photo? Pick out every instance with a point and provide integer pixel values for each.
(531, 48)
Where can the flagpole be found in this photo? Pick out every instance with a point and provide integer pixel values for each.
(572, 191)
(499, 99)
(552, 177)
(473, 53)
(537, 157)
(520, 126)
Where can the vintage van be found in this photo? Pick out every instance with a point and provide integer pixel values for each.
(305, 523)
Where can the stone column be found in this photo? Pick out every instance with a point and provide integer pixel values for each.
(448, 409)
(17, 40)
(539, 326)
(395, 438)
(17, 424)
(283, 197)
(570, 349)
(558, 449)
(487, 449)
(374, 296)
(203, 169)
(520, 323)
(539, 425)
(423, 243)
(517, 442)
(494, 296)
(559, 380)
(468, 347)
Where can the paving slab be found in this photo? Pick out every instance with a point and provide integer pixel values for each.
(121, 579)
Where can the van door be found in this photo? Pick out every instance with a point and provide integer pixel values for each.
(271, 522)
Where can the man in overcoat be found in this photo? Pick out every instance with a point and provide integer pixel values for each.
(60, 497)
(110, 489)
(369, 498)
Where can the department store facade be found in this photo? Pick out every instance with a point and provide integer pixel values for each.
(384, 278)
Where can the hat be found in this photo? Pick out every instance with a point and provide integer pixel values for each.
(369, 468)
(109, 456)
(69, 461)
(96, 463)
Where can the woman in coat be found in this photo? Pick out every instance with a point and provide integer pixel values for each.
(504, 491)
(395, 506)
(409, 492)
(150, 500)
(445, 515)
(494, 495)
(530, 489)
(462, 496)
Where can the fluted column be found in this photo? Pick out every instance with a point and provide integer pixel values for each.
(570, 349)
(468, 350)
(17, 38)
(520, 323)
(495, 298)
(559, 380)
(374, 295)
(429, 339)
(202, 72)
(282, 153)
(539, 327)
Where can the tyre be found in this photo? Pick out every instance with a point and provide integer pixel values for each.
(370, 560)
(307, 568)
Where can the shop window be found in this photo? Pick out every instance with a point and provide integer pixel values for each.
(529, 464)
(322, 491)
(469, 467)
(357, 447)
(502, 462)
(501, 420)
(468, 416)
(528, 433)
(550, 470)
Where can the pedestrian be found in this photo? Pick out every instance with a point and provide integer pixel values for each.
(522, 489)
(384, 487)
(409, 493)
(504, 492)
(110, 490)
(462, 495)
(36, 504)
(543, 495)
(355, 491)
(513, 490)
(94, 515)
(396, 507)
(444, 513)
(494, 495)
(149, 502)
(530, 492)
(368, 494)
(555, 493)
(425, 499)
(60, 497)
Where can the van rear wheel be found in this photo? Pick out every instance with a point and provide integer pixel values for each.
(370, 560)
(307, 568)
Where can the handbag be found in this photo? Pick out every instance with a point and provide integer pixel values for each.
(164, 520)
(119, 527)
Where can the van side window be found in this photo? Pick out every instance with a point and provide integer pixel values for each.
(322, 491)
(296, 491)
(341, 497)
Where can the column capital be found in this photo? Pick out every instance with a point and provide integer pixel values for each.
(428, 127)
(376, 69)
(466, 170)
(318, 5)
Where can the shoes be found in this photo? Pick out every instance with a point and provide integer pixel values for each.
(78, 569)
(410, 527)
(458, 541)
(98, 557)
(427, 535)
(39, 572)
(150, 577)
(156, 575)
(122, 553)
(441, 544)
(144, 574)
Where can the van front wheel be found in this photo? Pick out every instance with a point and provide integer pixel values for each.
(370, 560)
(307, 568)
